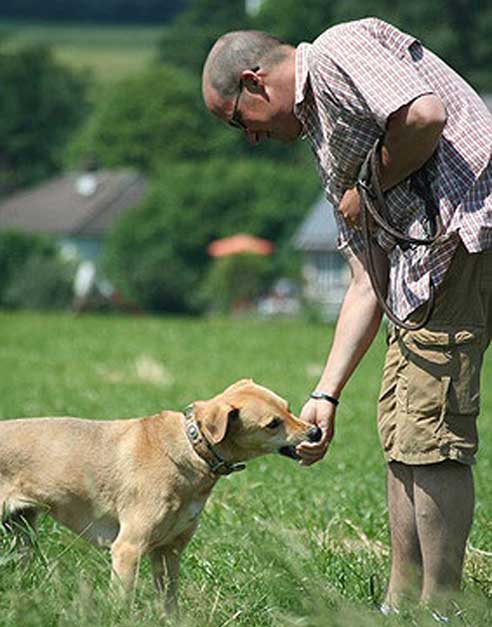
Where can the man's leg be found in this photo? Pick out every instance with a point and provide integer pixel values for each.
(444, 503)
(406, 559)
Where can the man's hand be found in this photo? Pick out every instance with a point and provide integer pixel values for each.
(349, 207)
(322, 414)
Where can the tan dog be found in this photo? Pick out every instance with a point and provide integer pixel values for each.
(139, 485)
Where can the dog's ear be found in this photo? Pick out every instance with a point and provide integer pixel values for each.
(213, 418)
(239, 384)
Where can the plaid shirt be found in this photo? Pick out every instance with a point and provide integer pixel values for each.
(348, 82)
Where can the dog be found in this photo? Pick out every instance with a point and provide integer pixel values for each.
(138, 486)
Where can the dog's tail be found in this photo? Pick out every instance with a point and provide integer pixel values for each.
(18, 522)
(17, 515)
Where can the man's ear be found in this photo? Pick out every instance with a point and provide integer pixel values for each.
(253, 80)
(213, 419)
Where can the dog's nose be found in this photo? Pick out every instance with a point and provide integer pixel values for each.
(314, 434)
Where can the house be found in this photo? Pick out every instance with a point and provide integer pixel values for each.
(325, 273)
(78, 209)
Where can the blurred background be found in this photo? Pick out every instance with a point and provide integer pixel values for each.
(118, 191)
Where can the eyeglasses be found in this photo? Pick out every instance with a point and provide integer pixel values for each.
(235, 120)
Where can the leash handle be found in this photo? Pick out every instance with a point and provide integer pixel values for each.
(369, 188)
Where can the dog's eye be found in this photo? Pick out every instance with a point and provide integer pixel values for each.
(273, 424)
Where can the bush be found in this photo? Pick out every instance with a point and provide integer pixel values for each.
(236, 281)
(41, 283)
(156, 255)
(15, 251)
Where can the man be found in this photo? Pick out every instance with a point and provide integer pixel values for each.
(358, 82)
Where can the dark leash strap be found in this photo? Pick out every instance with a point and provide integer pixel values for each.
(373, 207)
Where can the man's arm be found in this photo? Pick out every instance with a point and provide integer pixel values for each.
(411, 137)
(356, 328)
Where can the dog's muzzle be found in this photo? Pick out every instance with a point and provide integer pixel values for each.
(289, 451)
(314, 435)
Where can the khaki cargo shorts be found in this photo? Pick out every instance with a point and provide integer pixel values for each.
(430, 393)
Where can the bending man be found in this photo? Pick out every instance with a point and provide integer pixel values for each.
(358, 82)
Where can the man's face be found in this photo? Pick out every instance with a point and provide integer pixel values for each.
(259, 110)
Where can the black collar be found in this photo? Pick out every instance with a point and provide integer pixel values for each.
(204, 449)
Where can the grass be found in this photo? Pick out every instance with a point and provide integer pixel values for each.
(277, 545)
(111, 52)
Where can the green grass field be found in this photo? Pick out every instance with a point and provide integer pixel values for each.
(110, 52)
(278, 544)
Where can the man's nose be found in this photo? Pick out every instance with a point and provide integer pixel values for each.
(314, 434)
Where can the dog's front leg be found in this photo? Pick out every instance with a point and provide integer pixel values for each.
(158, 569)
(125, 557)
(165, 570)
(164, 562)
(171, 556)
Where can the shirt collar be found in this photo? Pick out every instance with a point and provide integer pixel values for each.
(302, 72)
(302, 81)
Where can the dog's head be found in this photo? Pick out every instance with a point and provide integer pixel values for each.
(248, 420)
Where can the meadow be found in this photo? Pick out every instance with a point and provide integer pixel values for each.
(277, 545)
(110, 52)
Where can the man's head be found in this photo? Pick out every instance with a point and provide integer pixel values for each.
(249, 83)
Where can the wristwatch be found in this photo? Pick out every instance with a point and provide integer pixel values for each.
(321, 396)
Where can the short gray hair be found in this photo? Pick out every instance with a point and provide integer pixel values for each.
(238, 51)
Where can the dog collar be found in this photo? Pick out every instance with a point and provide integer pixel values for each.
(204, 449)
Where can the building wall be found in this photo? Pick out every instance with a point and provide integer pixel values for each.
(326, 277)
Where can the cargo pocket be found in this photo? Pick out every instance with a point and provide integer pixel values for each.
(443, 371)
(438, 389)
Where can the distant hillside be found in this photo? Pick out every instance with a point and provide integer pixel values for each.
(114, 11)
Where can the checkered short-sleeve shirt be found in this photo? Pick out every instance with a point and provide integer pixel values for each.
(348, 82)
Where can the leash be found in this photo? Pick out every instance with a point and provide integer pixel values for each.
(373, 206)
(204, 449)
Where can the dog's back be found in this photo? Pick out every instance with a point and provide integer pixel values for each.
(42, 458)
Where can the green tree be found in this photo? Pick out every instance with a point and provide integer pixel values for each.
(187, 41)
(157, 253)
(457, 30)
(149, 121)
(41, 103)
(92, 10)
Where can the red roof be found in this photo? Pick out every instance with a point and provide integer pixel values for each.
(240, 243)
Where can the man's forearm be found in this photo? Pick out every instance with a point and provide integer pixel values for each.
(411, 138)
(358, 323)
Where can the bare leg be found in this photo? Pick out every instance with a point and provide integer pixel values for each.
(444, 502)
(406, 558)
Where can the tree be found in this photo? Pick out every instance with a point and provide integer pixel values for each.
(41, 102)
(457, 30)
(157, 253)
(149, 121)
(92, 10)
(199, 26)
